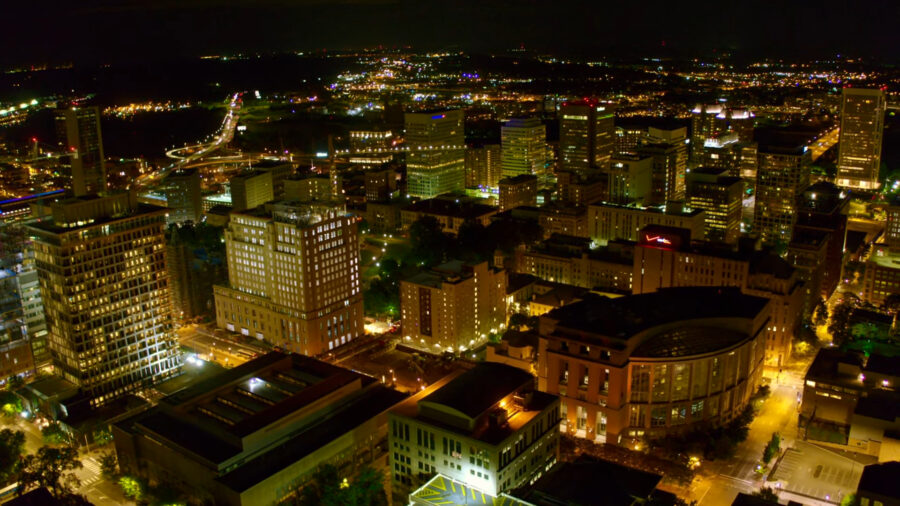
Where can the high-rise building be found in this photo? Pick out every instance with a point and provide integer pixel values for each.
(380, 185)
(823, 207)
(892, 226)
(720, 195)
(293, 276)
(308, 187)
(486, 427)
(782, 176)
(183, 197)
(669, 169)
(280, 171)
(79, 129)
(728, 152)
(483, 167)
(452, 307)
(435, 162)
(518, 191)
(709, 121)
(587, 135)
(524, 146)
(630, 178)
(101, 262)
(371, 148)
(859, 144)
(250, 189)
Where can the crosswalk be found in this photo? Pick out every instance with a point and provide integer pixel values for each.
(93, 467)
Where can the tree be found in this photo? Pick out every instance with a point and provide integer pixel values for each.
(518, 320)
(327, 488)
(50, 468)
(772, 448)
(102, 435)
(109, 465)
(12, 447)
(11, 403)
(766, 494)
(54, 434)
(892, 303)
(428, 241)
(820, 313)
(840, 322)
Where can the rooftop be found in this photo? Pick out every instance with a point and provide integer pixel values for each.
(475, 391)
(688, 341)
(623, 317)
(880, 479)
(446, 207)
(581, 483)
(444, 491)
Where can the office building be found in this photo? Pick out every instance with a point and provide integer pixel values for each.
(630, 179)
(892, 225)
(629, 135)
(669, 169)
(582, 189)
(79, 129)
(720, 196)
(666, 257)
(309, 187)
(859, 144)
(647, 366)
(781, 178)
(453, 306)
(607, 222)
(710, 121)
(572, 261)
(483, 168)
(518, 191)
(380, 185)
(101, 262)
(250, 189)
(435, 162)
(850, 402)
(524, 147)
(807, 252)
(255, 434)
(293, 276)
(882, 276)
(562, 218)
(371, 148)
(823, 207)
(486, 427)
(877, 485)
(587, 135)
(727, 152)
(183, 197)
(450, 213)
(280, 171)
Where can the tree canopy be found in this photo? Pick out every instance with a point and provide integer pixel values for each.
(51, 467)
(328, 488)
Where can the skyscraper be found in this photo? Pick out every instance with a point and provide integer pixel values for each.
(587, 135)
(859, 145)
(183, 197)
(483, 166)
(435, 163)
(79, 129)
(709, 121)
(524, 146)
(293, 276)
(782, 176)
(250, 189)
(712, 190)
(101, 262)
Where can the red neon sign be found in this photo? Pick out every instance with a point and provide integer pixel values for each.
(657, 239)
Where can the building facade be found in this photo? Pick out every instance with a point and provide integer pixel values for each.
(452, 307)
(483, 167)
(782, 176)
(101, 262)
(251, 189)
(79, 129)
(720, 196)
(859, 144)
(523, 143)
(487, 427)
(293, 277)
(435, 162)
(647, 366)
(518, 191)
(183, 196)
(587, 135)
(607, 222)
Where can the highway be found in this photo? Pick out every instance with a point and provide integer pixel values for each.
(824, 143)
(198, 151)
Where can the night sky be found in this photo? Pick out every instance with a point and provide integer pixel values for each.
(116, 30)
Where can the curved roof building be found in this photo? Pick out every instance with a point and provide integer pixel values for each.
(642, 366)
